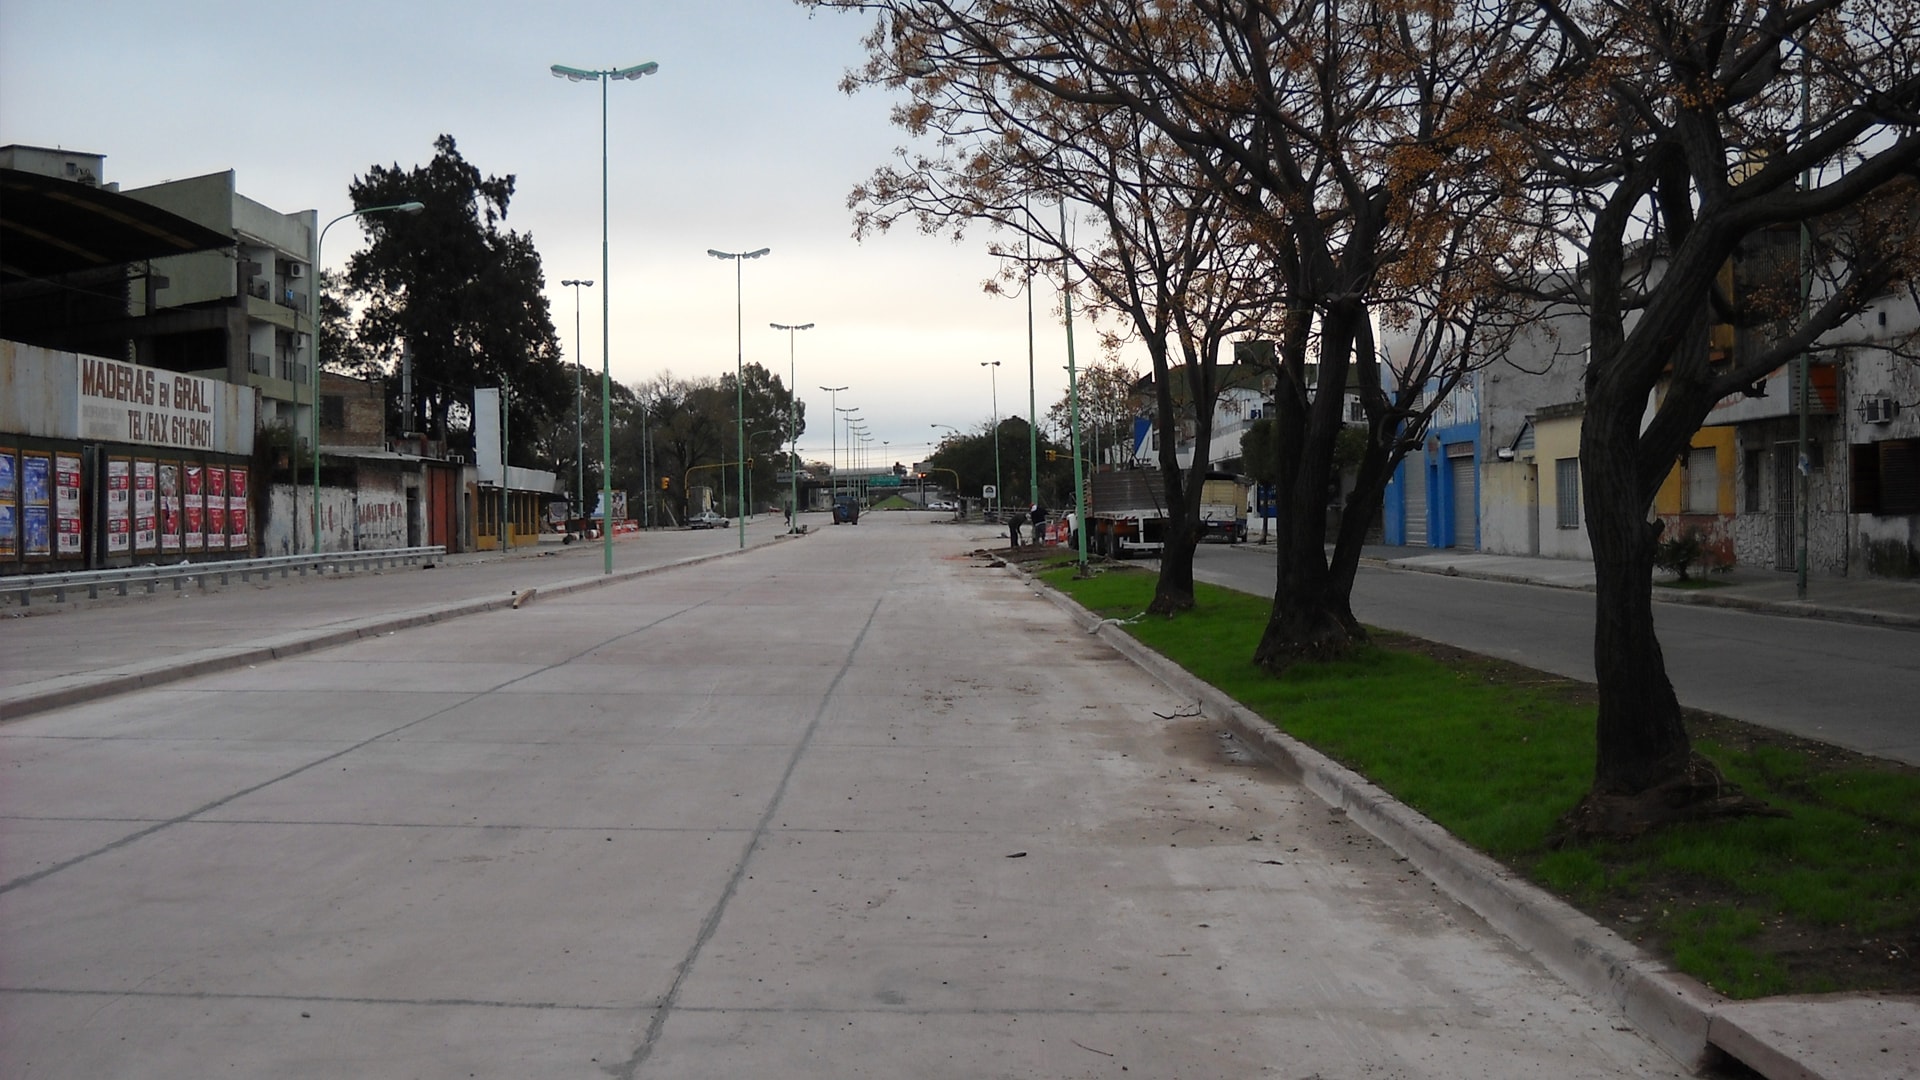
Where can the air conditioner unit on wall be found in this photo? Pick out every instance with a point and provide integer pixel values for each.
(296, 270)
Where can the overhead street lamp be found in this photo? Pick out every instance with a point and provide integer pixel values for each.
(833, 434)
(739, 259)
(579, 430)
(561, 71)
(993, 372)
(313, 365)
(793, 425)
(845, 417)
(1073, 401)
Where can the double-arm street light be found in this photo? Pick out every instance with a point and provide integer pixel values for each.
(579, 430)
(739, 259)
(793, 424)
(313, 364)
(993, 371)
(561, 71)
(833, 434)
(845, 417)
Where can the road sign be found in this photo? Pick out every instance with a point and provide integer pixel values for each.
(989, 491)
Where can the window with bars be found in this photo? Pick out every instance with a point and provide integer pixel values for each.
(1566, 482)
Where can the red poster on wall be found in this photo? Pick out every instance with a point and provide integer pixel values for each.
(146, 507)
(119, 506)
(171, 505)
(216, 508)
(237, 510)
(196, 500)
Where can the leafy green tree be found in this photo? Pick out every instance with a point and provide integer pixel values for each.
(696, 440)
(465, 295)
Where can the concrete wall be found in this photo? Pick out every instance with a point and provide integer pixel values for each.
(1874, 544)
(372, 516)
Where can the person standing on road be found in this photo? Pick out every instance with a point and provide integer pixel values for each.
(1037, 515)
(1013, 529)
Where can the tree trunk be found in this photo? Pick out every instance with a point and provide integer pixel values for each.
(1309, 619)
(1173, 592)
(1645, 771)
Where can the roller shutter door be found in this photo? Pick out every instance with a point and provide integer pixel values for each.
(1465, 505)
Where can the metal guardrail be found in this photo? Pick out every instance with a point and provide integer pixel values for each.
(120, 580)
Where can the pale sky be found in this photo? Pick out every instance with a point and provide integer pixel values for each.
(742, 140)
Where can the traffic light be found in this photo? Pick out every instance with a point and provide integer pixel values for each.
(1053, 455)
(664, 482)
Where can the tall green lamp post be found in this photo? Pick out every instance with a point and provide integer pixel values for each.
(793, 424)
(561, 71)
(739, 259)
(313, 365)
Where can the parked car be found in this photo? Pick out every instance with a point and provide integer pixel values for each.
(707, 519)
(942, 504)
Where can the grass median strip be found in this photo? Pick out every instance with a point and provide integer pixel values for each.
(1825, 899)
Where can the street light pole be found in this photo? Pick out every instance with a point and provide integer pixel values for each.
(739, 258)
(313, 362)
(606, 296)
(1033, 407)
(833, 436)
(843, 417)
(993, 371)
(793, 426)
(579, 429)
(1073, 399)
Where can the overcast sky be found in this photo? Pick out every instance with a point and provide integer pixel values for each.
(742, 140)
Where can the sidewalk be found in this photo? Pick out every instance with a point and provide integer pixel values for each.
(1875, 601)
(938, 657)
(857, 805)
(57, 655)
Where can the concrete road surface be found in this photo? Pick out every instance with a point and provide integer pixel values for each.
(851, 805)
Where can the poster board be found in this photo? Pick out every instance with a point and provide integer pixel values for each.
(36, 505)
(238, 537)
(194, 492)
(146, 508)
(119, 505)
(170, 506)
(9, 502)
(216, 508)
(66, 506)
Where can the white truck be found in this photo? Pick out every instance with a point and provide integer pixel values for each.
(1127, 515)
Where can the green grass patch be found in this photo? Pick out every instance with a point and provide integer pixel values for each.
(1827, 898)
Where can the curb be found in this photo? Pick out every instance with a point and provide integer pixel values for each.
(80, 689)
(1671, 1009)
(1784, 608)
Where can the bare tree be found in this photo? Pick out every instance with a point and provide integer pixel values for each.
(1359, 149)
(1674, 137)
(1163, 255)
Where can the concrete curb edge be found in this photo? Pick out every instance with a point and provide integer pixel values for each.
(1861, 616)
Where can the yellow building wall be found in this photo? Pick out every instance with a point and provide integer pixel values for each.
(1672, 496)
(1554, 440)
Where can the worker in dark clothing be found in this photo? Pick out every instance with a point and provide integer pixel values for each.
(1037, 517)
